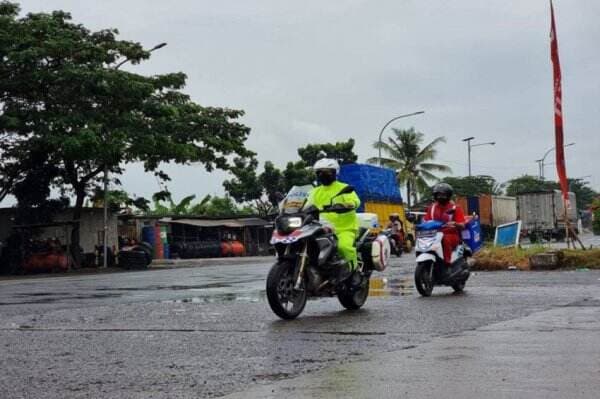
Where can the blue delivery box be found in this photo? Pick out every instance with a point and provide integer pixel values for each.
(471, 235)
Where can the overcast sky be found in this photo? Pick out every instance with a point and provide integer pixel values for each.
(318, 71)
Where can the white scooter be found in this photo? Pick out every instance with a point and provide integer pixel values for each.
(431, 268)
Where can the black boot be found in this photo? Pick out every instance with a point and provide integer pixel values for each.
(342, 275)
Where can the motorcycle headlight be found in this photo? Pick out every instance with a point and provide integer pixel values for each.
(288, 224)
(295, 222)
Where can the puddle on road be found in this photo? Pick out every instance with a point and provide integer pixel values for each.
(379, 287)
(167, 287)
(391, 287)
(224, 297)
(50, 297)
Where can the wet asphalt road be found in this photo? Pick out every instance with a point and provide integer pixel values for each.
(207, 332)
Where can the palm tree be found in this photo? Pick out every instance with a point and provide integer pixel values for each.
(412, 163)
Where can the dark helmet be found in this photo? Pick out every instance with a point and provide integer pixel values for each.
(442, 190)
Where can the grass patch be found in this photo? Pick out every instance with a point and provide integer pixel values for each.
(496, 258)
(500, 258)
(576, 258)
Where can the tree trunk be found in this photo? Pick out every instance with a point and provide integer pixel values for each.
(408, 193)
(76, 252)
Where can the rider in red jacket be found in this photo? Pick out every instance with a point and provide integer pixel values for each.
(446, 211)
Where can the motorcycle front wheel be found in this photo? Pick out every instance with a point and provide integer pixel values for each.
(285, 301)
(354, 299)
(423, 278)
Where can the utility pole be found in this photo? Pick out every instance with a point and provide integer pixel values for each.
(469, 146)
(468, 140)
(106, 181)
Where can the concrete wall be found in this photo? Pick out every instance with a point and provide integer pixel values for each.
(90, 230)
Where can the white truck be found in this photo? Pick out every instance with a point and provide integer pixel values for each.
(542, 214)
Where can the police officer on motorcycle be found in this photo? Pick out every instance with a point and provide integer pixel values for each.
(346, 224)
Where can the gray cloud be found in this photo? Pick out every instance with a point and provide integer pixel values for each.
(316, 71)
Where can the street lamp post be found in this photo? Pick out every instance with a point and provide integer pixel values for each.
(469, 146)
(105, 179)
(387, 124)
(541, 161)
(540, 172)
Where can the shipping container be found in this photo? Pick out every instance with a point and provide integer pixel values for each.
(504, 210)
(378, 191)
(542, 213)
(372, 183)
(493, 210)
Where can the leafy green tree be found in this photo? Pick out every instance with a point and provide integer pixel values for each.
(61, 90)
(208, 206)
(596, 213)
(118, 199)
(248, 186)
(273, 182)
(297, 174)
(221, 207)
(474, 185)
(341, 151)
(264, 189)
(412, 161)
(527, 183)
(584, 194)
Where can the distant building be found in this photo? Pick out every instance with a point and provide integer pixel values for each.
(90, 233)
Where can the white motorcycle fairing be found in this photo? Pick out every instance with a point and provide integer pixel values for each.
(430, 245)
(426, 257)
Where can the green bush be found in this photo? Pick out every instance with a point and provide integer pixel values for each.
(596, 224)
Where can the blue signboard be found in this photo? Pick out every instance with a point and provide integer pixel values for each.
(508, 234)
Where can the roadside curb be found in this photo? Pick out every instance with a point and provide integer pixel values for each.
(157, 264)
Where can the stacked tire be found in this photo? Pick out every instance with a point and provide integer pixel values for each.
(197, 249)
(137, 257)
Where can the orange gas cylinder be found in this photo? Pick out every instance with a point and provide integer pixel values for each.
(159, 252)
(46, 262)
(237, 248)
(226, 249)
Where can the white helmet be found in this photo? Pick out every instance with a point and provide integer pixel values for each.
(327, 163)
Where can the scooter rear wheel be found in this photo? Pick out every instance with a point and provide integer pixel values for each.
(459, 287)
(423, 278)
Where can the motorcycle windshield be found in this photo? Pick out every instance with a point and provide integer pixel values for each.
(295, 199)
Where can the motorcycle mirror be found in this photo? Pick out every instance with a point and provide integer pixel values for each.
(279, 196)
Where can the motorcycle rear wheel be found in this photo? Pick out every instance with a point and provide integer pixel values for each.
(423, 281)
(285, 301)
(353, 300)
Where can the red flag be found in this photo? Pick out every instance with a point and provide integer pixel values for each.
(558, 119)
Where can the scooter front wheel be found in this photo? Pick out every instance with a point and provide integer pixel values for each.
(424, 278)
(285, 301)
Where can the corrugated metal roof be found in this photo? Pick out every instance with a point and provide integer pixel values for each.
(234, 223)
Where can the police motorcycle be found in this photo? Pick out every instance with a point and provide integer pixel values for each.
(431, 268)
(307, 259)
